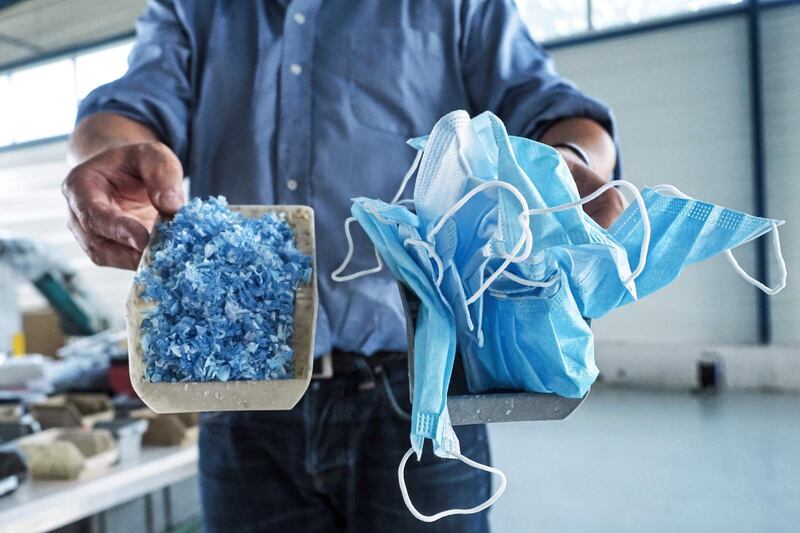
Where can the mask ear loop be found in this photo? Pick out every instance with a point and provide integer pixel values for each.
(336, 274)
(439, 271)
(407, 177)
(432, 254)
(526, 239)
(467, 461)
(639, 201)
(776, 247)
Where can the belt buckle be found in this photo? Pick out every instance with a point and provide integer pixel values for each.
(326, 367)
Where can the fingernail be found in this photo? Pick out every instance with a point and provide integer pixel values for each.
(126, 238)
(170, 200)
(130, 241)
(123, 236)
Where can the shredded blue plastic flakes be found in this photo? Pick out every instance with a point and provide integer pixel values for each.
(223, 286)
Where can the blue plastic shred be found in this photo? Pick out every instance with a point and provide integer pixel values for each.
(223, 288)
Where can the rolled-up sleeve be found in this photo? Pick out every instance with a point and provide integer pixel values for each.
(155, 90)
(507, 72)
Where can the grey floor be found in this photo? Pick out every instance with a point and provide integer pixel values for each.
(654, 462)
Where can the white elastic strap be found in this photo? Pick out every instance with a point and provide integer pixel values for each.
(407, 177)
(776, 248)
(432, 254)
(451, 512)
(526, 238)
(639, 201)
(336, 274)
(440, 270)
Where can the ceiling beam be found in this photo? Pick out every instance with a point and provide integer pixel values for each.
(19, 43)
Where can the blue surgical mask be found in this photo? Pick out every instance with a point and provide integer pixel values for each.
(542, 178)
(536, 340)
(393, 230)
(422, 256)
(685, 231)
(507, 265)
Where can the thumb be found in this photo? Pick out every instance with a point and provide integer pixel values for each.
(162, 173)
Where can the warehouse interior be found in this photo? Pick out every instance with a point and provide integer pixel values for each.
(693, 422)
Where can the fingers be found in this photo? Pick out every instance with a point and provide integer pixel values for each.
(111, 198)
(103, 251)
(90, 197)
(160, 171)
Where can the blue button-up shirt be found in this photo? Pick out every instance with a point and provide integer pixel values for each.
(311, 101)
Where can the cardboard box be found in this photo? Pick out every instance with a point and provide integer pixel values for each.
(66, 454)
(42, 331)
(73, 410)
(178, 429)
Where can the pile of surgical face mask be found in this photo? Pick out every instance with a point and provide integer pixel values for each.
(507, 267)
(223, 288)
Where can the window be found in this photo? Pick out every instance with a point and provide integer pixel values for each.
(607, 13)
(40, 101)
(550, 19)
(97, 68)
(557, 19)
(6, 127)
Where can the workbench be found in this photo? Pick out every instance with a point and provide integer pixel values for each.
(45, 505)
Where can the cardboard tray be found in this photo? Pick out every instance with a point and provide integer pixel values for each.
(270, 395)
(68, 453)
(73, 410)
(178, 429)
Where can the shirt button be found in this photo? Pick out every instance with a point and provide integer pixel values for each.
(299, 18)
(296, 69)
(291, 185)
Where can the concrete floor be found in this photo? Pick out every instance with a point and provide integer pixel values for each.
(640, 461)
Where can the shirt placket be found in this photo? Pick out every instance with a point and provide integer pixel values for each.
(294, 140)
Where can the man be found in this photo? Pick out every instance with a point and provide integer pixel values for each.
(310, 102)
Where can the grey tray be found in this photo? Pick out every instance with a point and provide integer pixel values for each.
(488, 407)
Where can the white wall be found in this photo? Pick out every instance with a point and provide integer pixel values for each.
(681, 96)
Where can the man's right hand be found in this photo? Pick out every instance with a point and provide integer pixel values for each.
(115, 196)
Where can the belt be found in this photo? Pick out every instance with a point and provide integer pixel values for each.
(340, 363)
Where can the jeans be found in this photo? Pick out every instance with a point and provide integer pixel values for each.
(330, 464)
